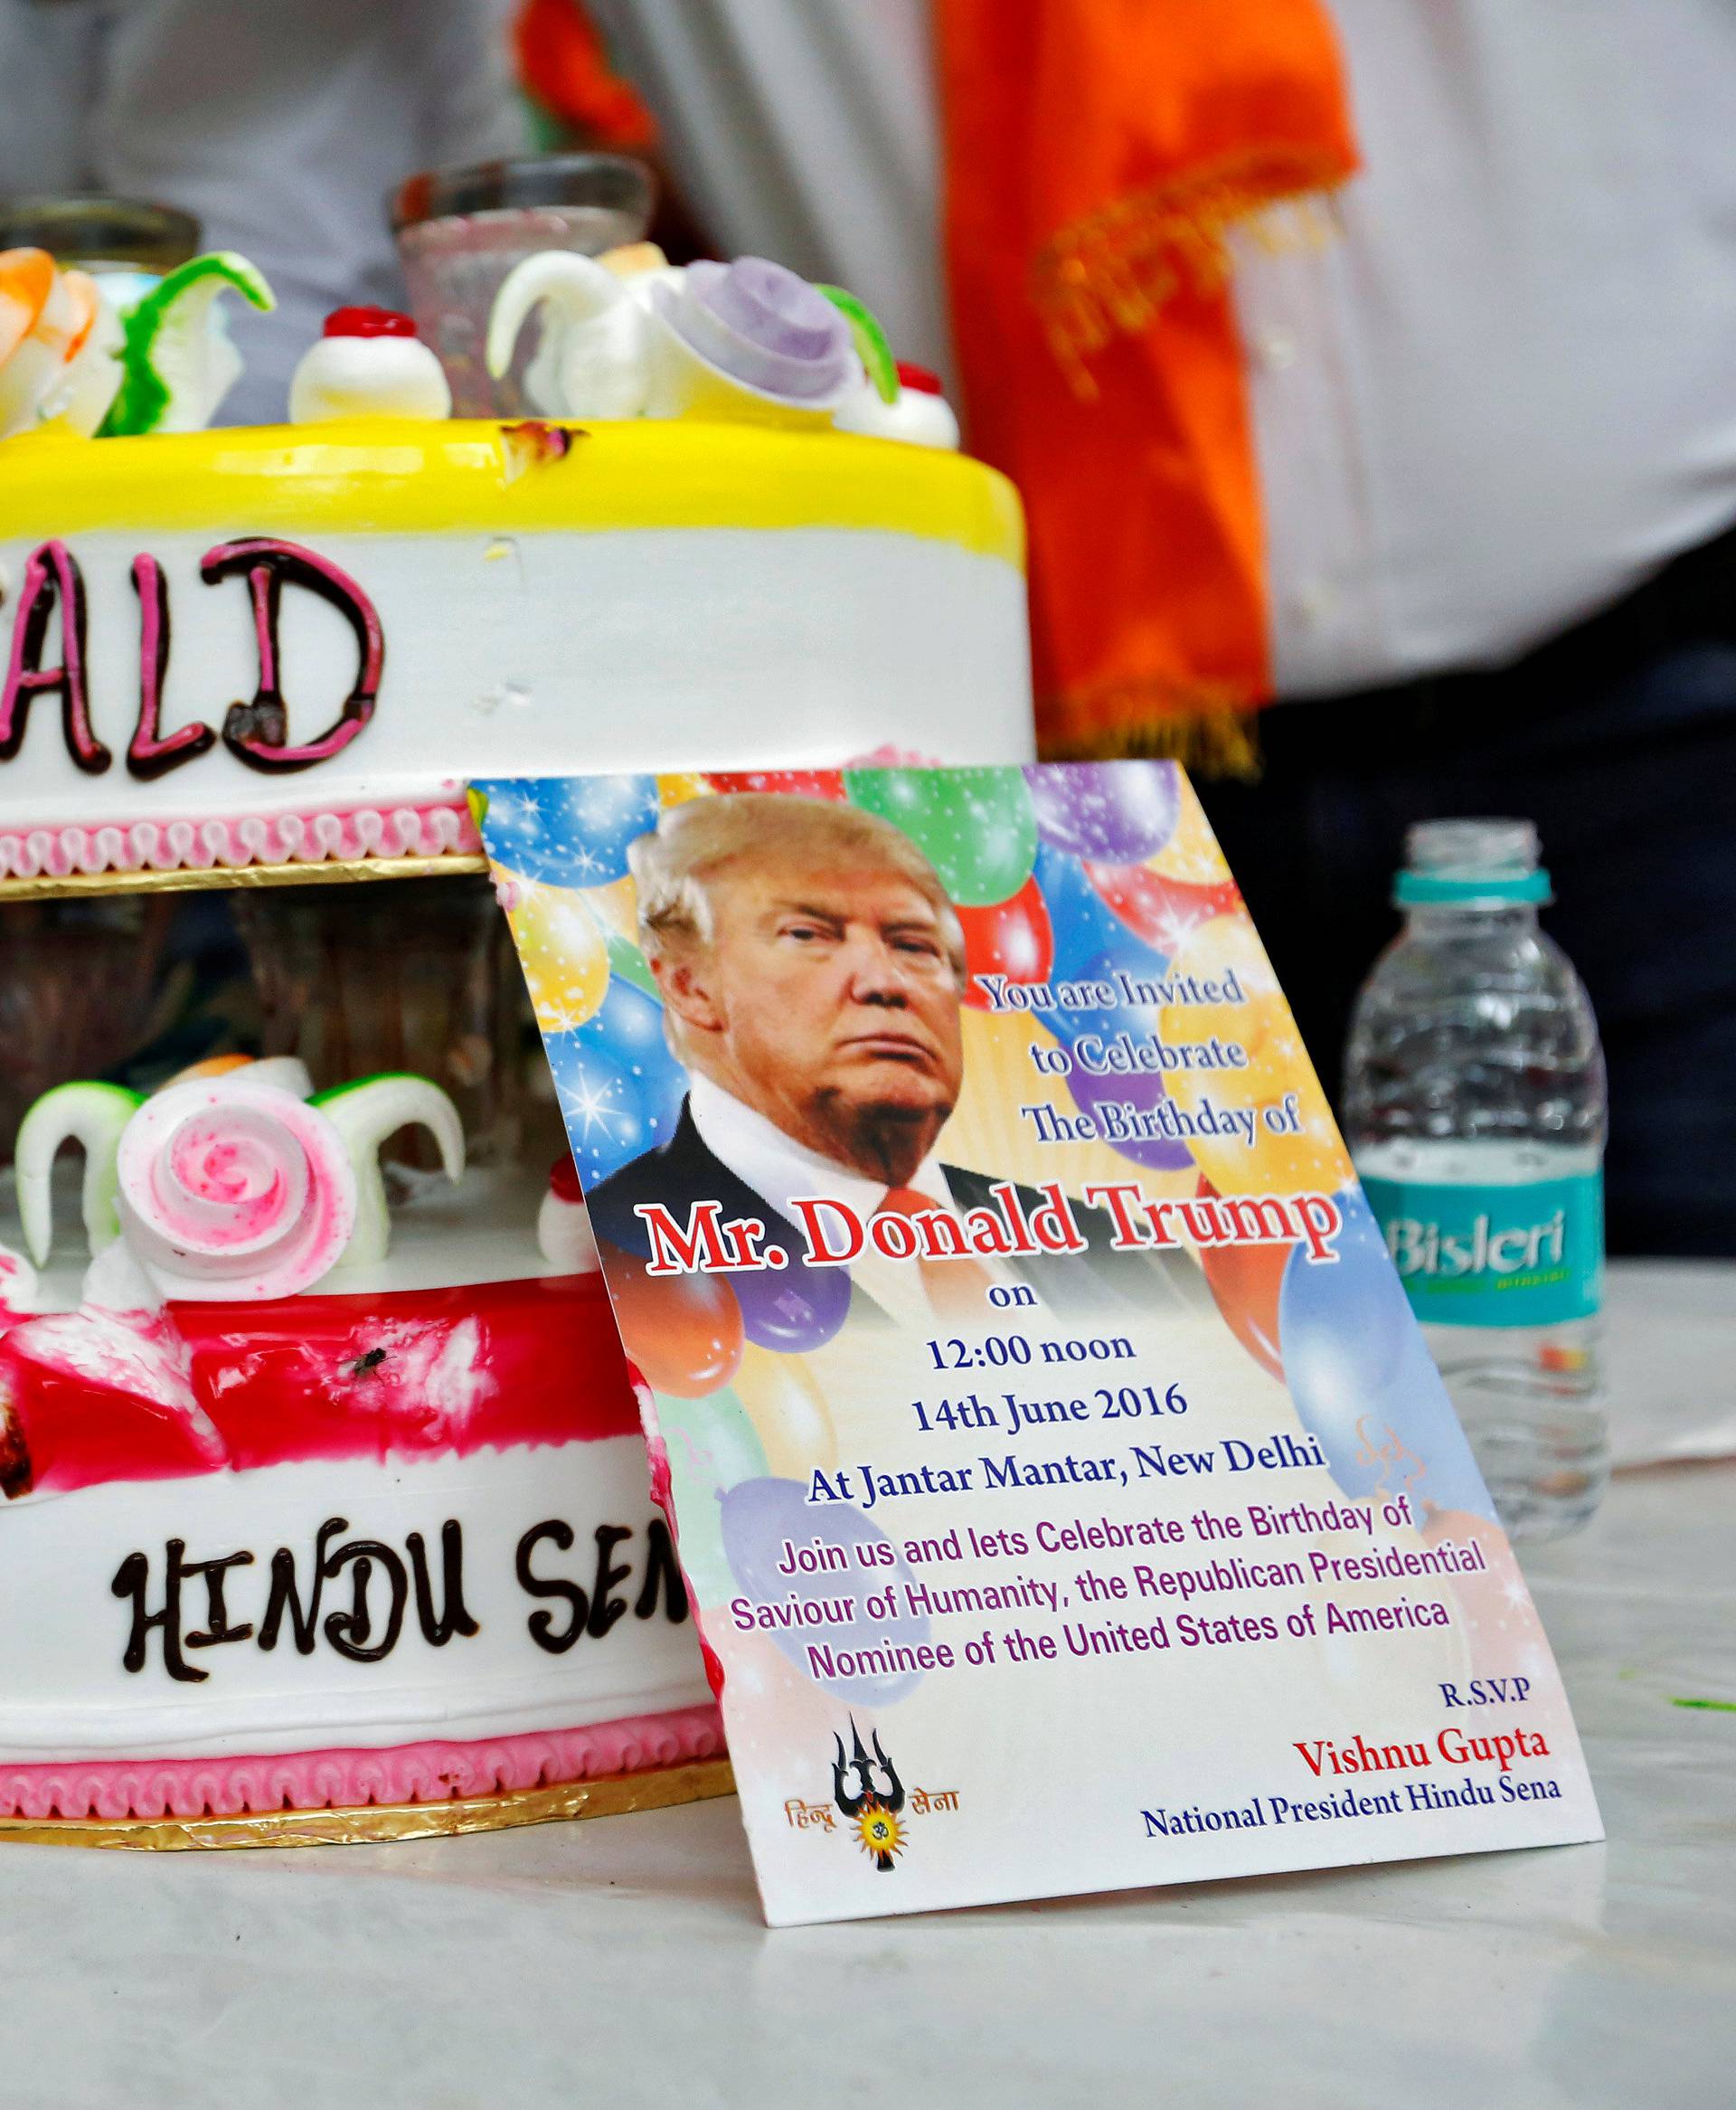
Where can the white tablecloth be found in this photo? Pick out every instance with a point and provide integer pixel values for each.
(622, 1962)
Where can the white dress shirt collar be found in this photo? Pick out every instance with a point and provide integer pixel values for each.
(778, 1168)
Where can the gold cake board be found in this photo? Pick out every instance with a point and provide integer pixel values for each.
(612, 1796)
(321, 872)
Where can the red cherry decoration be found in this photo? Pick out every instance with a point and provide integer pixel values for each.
(919, 378)
(368, 322)
(563, 1180)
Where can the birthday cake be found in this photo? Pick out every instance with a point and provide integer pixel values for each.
(312, 1502)
(304, 1510)
(271, 645)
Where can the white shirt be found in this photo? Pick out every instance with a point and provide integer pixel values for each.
(281, 126)
(807, 131)
(779, 1169)
(1503, 398)
(1508, 394)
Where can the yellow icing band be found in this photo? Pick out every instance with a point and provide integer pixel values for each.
(394, 476)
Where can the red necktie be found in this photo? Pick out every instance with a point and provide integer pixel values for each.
(958, 1287)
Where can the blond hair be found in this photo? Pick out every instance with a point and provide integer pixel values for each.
(697, 839)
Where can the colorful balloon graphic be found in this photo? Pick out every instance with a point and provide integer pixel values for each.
(1165, 913)
(1010, 938)
(800, 783)
(629, 1023)
(763, 1518)
(567, 831)
(1085, 932)
(1192, 853)
(1118, 813)
(619, 1087)
(563, 950)
(792, 1308)
(628, 964)
(1119, 1102)
(1296, 1148)
(1245, 1283)
(976, 827)
(616, 908)
(1117, 1098)
(683, 1332)
(711, 1446)
(1361, 1378)
(787, 1406)
(1502, 1629)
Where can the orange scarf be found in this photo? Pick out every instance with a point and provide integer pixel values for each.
(1097, 151)
(564, 67)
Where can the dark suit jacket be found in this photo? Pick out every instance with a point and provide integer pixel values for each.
(684, 1171)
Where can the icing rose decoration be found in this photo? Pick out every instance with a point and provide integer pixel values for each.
(178, 360)
(627, 334)
(748, 340)
(369, 363)
(231, 1181)
(232, 1190)
(58, 346)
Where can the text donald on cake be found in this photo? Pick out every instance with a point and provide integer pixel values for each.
(255, 733)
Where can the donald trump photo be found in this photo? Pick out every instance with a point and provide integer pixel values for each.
(812, 970)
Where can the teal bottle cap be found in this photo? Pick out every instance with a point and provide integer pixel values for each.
(1471, 863)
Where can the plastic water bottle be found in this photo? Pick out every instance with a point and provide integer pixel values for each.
(1474, 1109)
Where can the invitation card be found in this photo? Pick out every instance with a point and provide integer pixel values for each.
(1064, 1493)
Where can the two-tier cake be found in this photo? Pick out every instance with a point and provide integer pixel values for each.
(327, 1515)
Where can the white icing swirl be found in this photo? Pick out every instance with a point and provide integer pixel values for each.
(233, 1188)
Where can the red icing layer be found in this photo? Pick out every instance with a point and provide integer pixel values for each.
(436, 1771)
(408, 1373)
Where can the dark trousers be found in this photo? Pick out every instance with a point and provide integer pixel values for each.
(1618, 740)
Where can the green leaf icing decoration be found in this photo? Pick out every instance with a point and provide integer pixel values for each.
(872, 347)
(162, 349)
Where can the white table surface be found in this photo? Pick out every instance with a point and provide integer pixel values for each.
(622, 1960)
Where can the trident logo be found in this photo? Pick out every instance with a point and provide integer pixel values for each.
(874, 1808)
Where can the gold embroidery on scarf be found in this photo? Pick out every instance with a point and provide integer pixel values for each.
(1209, 727)
(1110, 272)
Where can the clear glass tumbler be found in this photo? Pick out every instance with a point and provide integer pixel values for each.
(459, 231)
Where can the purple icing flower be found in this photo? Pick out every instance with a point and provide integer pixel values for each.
(761, 325)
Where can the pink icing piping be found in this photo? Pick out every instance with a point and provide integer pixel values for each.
(271, 564)
(52, 572)
(433, 1772)
(424, 828)
(148, 754)
(432, 828)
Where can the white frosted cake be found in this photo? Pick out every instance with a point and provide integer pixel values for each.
(384, 1541)
(295, 643)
